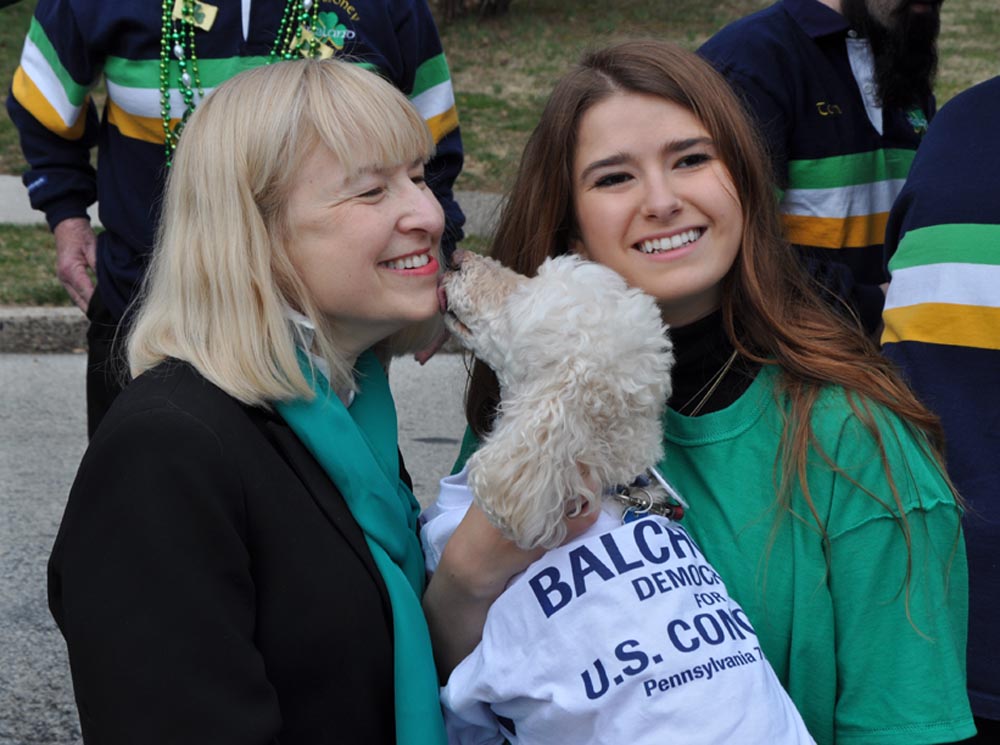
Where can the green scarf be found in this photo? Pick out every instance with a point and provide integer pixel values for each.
(357, 447)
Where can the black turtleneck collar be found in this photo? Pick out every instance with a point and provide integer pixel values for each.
(701, 350)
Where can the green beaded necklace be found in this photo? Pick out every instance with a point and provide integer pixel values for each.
(296, 37)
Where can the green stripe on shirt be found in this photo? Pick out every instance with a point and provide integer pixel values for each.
(75, 93)
(850, 170)
(430, 73)
(967, 243)
(146, 73)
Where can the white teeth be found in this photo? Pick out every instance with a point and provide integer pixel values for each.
(409, 262)
(667, 244)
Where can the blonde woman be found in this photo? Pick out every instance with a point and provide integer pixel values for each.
(238, 561)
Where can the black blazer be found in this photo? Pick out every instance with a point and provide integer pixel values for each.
(212, 585)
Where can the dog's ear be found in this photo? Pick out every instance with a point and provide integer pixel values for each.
(526, 477)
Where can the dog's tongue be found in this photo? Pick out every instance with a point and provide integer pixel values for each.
(431, 349)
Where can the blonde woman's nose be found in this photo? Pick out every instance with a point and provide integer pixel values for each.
(424, 212)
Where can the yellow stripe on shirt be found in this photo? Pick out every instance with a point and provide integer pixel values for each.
(834, 232)
(442, 124)
(32, 99)
(145, 128)
(943, 323)
(150, 129)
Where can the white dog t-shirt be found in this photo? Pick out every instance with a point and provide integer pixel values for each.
(626, 635)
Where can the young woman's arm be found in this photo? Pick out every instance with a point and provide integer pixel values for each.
(898, 631)
(475, 568)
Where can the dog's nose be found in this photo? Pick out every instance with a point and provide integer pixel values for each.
(454, 262)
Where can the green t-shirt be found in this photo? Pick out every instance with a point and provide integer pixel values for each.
(837, 634)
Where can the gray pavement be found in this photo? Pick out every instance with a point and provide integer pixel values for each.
(15, 209)
(42, 438)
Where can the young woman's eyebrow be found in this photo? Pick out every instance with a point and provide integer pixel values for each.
(612, 160)
(680, 145)
(675, 146)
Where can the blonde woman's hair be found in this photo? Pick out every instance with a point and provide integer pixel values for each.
(220, 275)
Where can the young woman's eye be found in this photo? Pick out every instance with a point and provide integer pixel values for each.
(694, 159)
(419, 179)
(611, 179)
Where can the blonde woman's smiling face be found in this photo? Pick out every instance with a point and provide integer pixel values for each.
(653, 201)
(366, 246)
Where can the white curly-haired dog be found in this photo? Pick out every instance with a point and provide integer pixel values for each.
(583, 362)
(625, 634)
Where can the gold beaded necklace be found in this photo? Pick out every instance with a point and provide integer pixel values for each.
(711, 384)
(296, 37)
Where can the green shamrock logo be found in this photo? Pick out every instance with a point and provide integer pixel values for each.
(917, 120)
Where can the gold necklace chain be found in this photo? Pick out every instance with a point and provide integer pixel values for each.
(712, 384)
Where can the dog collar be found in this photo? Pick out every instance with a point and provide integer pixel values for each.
(649, 496)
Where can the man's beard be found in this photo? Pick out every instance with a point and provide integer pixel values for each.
(905, 51)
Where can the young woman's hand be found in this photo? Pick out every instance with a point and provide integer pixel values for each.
(477, 564)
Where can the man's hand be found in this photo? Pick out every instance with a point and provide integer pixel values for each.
(76, 251)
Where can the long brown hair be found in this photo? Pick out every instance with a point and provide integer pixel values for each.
(772, 310)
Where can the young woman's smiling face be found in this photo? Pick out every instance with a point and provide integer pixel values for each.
(654, 202)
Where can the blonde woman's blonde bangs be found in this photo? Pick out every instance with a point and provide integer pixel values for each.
(395, 132)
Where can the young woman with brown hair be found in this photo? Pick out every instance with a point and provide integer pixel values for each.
(813, 474)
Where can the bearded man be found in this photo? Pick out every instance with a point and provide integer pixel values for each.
(843, 93)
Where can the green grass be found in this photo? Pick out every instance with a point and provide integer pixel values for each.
(969, 46)
(28, 258)
(14, 21)
(478, 244)
(503, 69)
